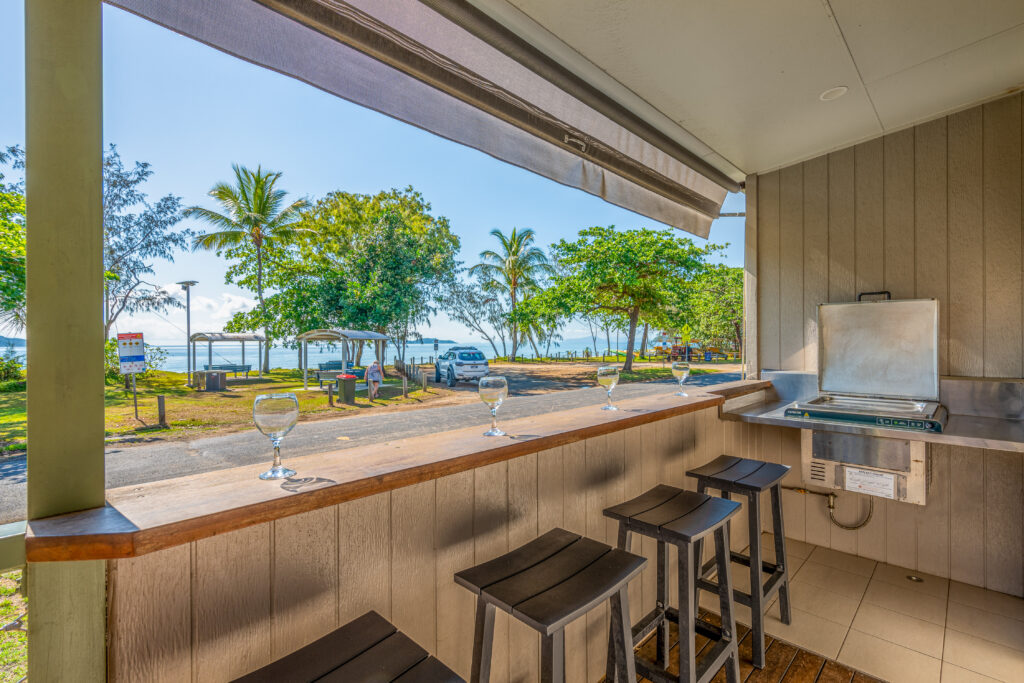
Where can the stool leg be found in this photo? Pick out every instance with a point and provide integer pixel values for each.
(780, 553)
(622, 633)
(725, 600)
(552, 657)
(756, 586)
(698, 553)
(661, 658)
(687, 655)
(483, 639)
(609, 672)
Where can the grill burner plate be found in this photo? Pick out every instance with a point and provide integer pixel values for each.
(923, 416)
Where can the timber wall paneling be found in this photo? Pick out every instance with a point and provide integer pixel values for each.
(933, 211)
(220, 607)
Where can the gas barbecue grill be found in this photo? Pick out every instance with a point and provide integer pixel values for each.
(878, 366)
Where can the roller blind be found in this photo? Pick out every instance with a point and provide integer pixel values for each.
(409, 61)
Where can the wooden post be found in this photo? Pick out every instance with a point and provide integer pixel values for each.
(161, 411)
(330, 395)
(405, 386)
(64, 190)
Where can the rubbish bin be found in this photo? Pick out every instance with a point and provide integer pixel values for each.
(216, 381)
(347, 388)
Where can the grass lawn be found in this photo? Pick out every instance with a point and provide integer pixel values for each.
(190, 411)
(13, 644)
(651, 374)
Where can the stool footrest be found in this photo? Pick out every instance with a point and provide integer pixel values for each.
(771, 587)
(739, 558)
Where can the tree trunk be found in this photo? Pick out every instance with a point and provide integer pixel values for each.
(263, 310)
(533, 343)
(359, 354)
(608, 340)
(634, 315)
(593, 334)
(514, 327)
(643, 341)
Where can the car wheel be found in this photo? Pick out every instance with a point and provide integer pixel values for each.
(437, 374)
(451, 378)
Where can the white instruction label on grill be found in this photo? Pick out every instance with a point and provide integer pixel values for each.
(870, 482)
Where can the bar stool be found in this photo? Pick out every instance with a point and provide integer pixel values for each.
(365, 649)
(682, 518)
(546, 584)
(751, 478)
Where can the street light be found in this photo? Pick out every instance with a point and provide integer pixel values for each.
(186, 284)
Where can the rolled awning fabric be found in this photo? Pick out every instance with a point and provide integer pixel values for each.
(406, 60)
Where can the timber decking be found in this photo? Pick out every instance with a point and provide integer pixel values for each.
(784, 663)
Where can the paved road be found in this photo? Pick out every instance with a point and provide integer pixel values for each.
(127, 465)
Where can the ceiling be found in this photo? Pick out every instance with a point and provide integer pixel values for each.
(738, 82)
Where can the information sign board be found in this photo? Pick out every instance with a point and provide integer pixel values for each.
(131, 352)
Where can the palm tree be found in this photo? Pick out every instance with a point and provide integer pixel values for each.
(516, 270)
(253, 211)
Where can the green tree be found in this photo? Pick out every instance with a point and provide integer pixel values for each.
(12, 243)
(253, 218)
(515, 271)
(714, 305)
(470, 305)
(623, 275)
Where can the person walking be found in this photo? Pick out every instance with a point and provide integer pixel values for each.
(374, 377)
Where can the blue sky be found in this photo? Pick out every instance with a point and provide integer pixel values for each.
(191, 111)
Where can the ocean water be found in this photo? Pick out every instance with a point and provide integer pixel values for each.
(289, 358)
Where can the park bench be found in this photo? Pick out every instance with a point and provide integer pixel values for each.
(229, 367)
(329, 371)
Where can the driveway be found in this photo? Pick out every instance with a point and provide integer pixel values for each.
(128, 465)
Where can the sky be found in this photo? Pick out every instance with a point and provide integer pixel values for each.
(191, 111)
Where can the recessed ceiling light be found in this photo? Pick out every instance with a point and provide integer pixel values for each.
(833, 93)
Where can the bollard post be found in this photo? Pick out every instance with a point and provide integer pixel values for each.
(330, 395)
(161, 411)
(405, 387)
(423, 376)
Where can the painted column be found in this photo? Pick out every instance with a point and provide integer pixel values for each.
(305, 370)
(64, 189)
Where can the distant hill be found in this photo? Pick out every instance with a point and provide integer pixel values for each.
(431, 340)
(11, 341)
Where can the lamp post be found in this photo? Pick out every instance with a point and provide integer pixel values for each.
(186, 284)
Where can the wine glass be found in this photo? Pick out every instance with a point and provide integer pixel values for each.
(493, 391)
(275, 415)
(608, 377)
(681, 371)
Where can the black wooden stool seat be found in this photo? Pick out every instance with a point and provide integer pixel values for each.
(751, 478)
(739, 474)
(366, 649)
(682, 518)
(546, 584)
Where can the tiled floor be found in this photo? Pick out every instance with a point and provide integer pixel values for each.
(870, 617)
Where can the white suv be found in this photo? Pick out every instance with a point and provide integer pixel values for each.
(460, 363)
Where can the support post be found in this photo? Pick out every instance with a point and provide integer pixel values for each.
(260, 363)
(64, 190)
(209, 353)
(305, 369)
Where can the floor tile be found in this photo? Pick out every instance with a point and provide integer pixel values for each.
(844, 561)
(794, 548)
(888, 661)
(907, 602)
(987, 625)
(808, 631)
(990, 601)
(983, 657)
(900, 629)
(936, 586)
(951, 673)
(830, 578)
(823, 602)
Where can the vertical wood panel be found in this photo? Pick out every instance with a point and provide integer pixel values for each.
(842, 284)
(632, 485)
(150, 614)
(364, 557)
(231, 608)
(1004, 348)
(898, 196)
(768, 275)
(933, 547)
(650, 473)
(575, 518)
(791, 268)
(751, 352)
(305, 578)
(523, 642)
(490, 532)
(931, 240)
(598, 472)
(966, 246)
(868, 209)
(413, 578)
(1004, 538)
(550, 489)
(967, 515)
(815, 253)
(454, 549)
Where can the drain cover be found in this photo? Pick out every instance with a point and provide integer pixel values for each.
(915, 579)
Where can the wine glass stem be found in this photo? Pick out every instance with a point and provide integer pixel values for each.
(609, 397)
(494, 419)
(277, 453)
